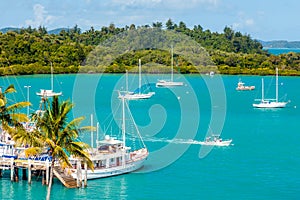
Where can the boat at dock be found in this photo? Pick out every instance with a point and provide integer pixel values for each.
(113, 156)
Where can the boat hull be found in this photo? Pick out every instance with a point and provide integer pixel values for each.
(137, 96)
(245, 88)
(114, 171)
(168, 84)
(136, 161)
(270, 105)
(217, 143)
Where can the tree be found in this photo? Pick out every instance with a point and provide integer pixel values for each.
(57, 134)
(170, 24)
(157, 25)
(10, 119)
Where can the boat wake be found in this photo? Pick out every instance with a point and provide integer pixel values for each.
(176, 141)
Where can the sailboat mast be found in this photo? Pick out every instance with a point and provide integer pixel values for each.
(123, 131)
(92, 135)
(51, 76)
(262, 89)
(140, 76)
(172, 63)
(126, 80)
(276, 84)
(123, 121)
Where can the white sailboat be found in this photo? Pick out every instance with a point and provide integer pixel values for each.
(132, 95)
(171, 82)
(269, 103)
(49, 93)
(112, 156)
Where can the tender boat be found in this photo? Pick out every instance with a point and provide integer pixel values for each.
(241, 86)
(216, 141)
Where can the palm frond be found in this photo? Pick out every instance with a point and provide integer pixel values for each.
(2, 102)
(10, 89)
(33, 151)
(19, 117)
(18, 105)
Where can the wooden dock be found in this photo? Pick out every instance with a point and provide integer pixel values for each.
(28, 167)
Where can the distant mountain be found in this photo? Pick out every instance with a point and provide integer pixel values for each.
(54, 31)
(57, 31)
(5, 30)
(280, 44)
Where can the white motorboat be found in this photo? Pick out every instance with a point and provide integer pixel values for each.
(269, 103)
(241, 86)
(113, 156)
(171, 82)
(216, 141)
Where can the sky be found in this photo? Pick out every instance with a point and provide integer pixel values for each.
(262, 19)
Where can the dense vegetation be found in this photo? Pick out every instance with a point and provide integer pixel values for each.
(30, 51)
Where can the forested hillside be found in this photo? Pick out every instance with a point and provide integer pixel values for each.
(30, 50)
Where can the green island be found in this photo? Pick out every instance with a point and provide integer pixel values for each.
(33, 50)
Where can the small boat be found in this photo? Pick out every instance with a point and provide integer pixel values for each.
(135, 95)
(269, 103)
(171, 82)
(216, 141)
(113, 156)
(241, 86)
(49, 93)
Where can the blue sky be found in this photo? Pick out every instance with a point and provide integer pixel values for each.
(262, 19)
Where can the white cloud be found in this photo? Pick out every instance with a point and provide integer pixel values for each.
(249, 22)
(40, 17)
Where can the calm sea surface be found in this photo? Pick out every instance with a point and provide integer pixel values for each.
(277, 51)
(263, 163)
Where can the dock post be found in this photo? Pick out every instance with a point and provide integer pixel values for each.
(12, 169)
(78, 166)
(29, 172)
(24, 174)
(43, 177)
(85, 174)
(16, 173)
(47, 172)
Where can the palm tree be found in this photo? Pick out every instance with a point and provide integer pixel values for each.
(9, 117)
(55, 132)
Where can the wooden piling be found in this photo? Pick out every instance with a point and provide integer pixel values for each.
(47, 172)
(24, 177)
(29, 171)
(85, 174)
(12, 169)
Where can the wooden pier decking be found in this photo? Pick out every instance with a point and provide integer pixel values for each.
(33, 165)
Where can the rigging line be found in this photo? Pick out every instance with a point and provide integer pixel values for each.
(18, 84)
(131, 117)
(110, 116)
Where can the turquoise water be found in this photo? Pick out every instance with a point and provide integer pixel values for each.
(263, 163)
(277, 51)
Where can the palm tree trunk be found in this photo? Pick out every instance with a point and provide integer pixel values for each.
(50, 181)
